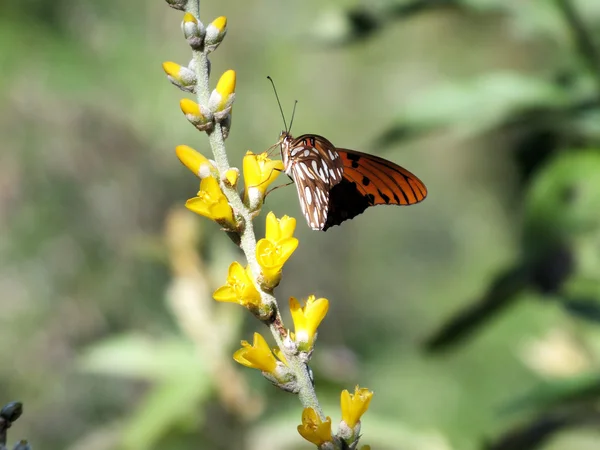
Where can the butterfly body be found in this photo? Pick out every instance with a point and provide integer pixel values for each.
(337, 184)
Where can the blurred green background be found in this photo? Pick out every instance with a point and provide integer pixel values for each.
(109, 335)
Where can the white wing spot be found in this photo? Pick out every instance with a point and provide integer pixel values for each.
(323, 175)
(322, 195)
(306, 152)
(332, 173)
(331, 154)
(296, 151)
(300, 174)
(316, 216)
(308, 195)
(305, 168)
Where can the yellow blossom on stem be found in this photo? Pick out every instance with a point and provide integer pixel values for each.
(279, 229)
(239, 287)
(256, 356)
(194, 161)
(271, 258)
(313, 429)
(259, 172)
(212, 203)
(273, 251)
(307, 319)
(355, 405)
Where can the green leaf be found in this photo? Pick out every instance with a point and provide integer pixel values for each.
(584, 388)
(141, 358)
(166, 406)
(475, 106)
(564, 199)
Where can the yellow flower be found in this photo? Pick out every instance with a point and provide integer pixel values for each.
(355, 405)
(256, 356)
(271, 258)
(194, 161)
(239, 288)
(313, 429)
(259, 172)
(307, 319)
(212, 203)
(279, 229)
(273, 251)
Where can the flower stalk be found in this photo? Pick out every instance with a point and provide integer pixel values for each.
(247, 243)
(251, 285)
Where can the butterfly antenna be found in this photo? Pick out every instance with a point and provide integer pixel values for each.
(279, 103)
(293, 114)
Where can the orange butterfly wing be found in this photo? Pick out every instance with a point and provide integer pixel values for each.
(387, 182)
(369, 180)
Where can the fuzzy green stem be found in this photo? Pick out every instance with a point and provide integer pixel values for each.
(307, 394)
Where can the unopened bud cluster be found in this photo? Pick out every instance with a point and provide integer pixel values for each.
(202, 40)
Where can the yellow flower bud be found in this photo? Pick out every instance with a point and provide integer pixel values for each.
(221, 99)
(194, 161)
(189, 18)
(182, 77)
(226, 84)
(215, 32)
(232, 176)
(193, 31)
(196, 114)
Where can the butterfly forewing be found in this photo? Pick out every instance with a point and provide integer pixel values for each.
(314, 165)
(338, 184)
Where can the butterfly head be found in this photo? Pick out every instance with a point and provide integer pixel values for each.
(285, 143)
(285, 137)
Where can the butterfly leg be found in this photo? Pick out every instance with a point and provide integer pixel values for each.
(277, 187)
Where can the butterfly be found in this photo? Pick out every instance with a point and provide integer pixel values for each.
(336, 184)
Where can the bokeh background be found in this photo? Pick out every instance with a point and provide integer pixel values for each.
(108, 332)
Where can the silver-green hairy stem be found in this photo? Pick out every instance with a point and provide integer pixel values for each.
(306, 392)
